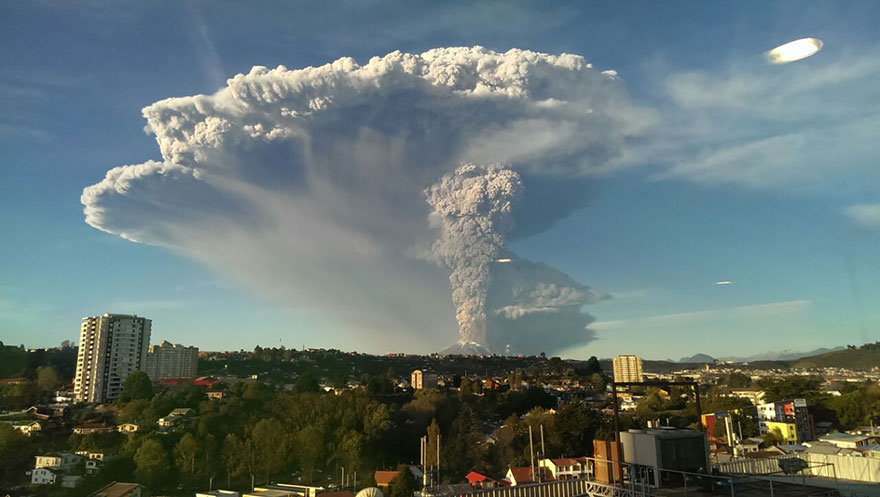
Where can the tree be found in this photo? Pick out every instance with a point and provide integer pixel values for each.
(404, 484)
(152, 464)
(15, 452)
(308, 384)
(185, 454)
(774, 437)
(137, 386)
(738, 380)
(48, 379)
(269, 449)
(793, 387)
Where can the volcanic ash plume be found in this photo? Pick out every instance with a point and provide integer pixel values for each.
(474, 205)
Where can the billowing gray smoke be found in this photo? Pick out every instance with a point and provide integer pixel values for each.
(475, 206)
(310, 186)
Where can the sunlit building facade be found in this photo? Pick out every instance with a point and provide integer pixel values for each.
(111, 347)
(627, 368)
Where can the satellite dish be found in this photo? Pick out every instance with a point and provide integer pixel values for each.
(370, 492)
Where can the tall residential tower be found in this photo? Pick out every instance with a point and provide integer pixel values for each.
(171, 360)
(627, 368)
(111, 347)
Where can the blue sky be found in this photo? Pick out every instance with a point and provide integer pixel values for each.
(772, 210)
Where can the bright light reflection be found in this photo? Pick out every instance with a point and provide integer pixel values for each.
(504, 260)
(723, 282)
(794, 51)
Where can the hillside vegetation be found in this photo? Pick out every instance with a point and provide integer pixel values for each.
(862, 358)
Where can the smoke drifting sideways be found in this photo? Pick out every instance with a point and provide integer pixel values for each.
(341, 189)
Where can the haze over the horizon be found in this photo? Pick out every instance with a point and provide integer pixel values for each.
(626, 160)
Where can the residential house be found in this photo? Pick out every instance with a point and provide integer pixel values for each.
(567, 468)
(175, 417)
(44, 476)
(26, 427)
(62, 461)
(752, 445)
(128, 428)
(217, 394)
(89, 428)
(525, 475)
(481, 481)
(384, 478)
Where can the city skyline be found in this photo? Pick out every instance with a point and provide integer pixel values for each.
(743, 178)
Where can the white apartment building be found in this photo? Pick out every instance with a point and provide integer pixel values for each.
(420, 379)
(111, 347)
(171, 360)
(627, 368)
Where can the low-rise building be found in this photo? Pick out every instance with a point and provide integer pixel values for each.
(128, 428)
(44, 476)
(567, 468)
(787, 430)
(787, 411)
(525, 475)
(119, 489)
(89, 428)
(846, 440)
(26, 427)
(420, 379)
(175, 417)
(62, 461)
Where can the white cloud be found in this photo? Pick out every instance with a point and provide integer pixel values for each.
(809, 125)
(307, 185)
(864, 215)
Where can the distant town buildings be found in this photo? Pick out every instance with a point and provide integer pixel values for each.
(627, 368)
(420, 379)
(111, 347)
(171, 360)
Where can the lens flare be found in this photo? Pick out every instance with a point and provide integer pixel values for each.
(794, 51)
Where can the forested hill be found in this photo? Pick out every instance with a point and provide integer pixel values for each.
(862, 358)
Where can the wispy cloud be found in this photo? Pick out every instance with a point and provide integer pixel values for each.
(864, 215)
(773, 309)
(807, 126)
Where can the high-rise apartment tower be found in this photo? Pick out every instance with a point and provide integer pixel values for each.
(627, 368)
(171, 360)
(111, 347)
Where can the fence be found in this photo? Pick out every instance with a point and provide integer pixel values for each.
(561, 488)
(862, 469)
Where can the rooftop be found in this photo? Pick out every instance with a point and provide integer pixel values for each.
(843, 436)
(116, 489)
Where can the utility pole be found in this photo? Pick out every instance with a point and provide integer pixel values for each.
(531, 454)
(543, 454)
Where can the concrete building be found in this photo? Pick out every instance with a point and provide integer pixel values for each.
(627, 368)
(657, 453)
(171, 360)
(420, 379)
(790, 412)
(111, 347)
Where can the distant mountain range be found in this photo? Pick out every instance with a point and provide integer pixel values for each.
(778, 355)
